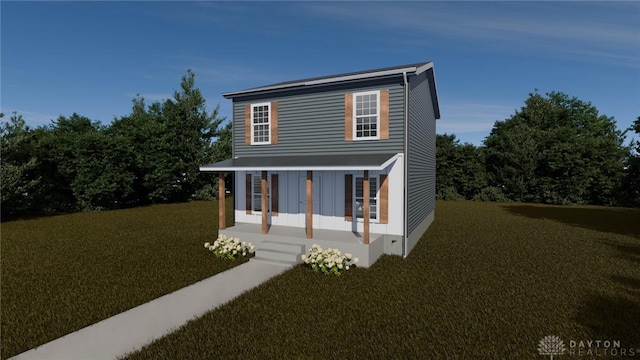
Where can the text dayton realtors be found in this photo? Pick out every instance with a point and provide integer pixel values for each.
(600, 348)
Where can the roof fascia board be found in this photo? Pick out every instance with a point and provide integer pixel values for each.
(303, 168)
(291, 168)
(360, 76)
(423, 68)
(328, 80)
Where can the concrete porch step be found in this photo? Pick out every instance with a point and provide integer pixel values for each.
(274, 262)
(278, 255)
(279, 252)
(282, 246)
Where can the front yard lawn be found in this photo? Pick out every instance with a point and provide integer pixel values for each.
(487, 281)
(62, 273)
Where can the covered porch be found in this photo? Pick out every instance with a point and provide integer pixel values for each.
(337, 201)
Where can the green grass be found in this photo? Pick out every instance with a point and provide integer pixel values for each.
(62, 273)
(487, 281)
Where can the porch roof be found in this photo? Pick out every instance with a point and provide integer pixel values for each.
(309, 162)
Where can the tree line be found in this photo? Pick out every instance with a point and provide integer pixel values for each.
(556, 149)
(151, 155)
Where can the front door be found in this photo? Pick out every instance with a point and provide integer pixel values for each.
(302, 201)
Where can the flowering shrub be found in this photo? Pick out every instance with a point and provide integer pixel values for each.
(330, 261)
(230, 248)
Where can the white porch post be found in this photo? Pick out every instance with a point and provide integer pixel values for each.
(309, 214)
(366, 215)
(221, 203)
(265, 226)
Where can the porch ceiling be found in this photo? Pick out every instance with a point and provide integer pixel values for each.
(301, 163)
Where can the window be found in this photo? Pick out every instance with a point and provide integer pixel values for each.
(257, 193)
(373, 198)
(260, 124)
(366, 115)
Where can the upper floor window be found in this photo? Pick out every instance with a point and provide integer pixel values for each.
(260, 124)
(366, 118)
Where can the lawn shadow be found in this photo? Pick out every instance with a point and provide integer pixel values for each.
(612, 220)
(627, 283)
(626, 251)
(610, 317)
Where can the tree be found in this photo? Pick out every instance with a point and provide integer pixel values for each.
(459, 168)
(144, 130)
(152, 155)
(171, 140)
(190, 130)
(630, 191)
(85, 166)
(558, 150)
(218, 150)
(18, 180)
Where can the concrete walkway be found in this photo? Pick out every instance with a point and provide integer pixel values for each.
(129, 331)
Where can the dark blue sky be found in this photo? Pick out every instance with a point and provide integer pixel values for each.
(93, 57)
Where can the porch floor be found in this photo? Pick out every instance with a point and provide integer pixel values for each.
(346, 241)
(281, 232)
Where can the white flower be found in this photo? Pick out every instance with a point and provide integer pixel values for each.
(235, 252)
(304, 257)
(244, 243)
(252, 247)
(348, 256)
(347, 267)
(211, 248)
(207, 245)
(339, 266)
(355, 260)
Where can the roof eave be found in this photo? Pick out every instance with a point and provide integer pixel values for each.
(228, 166)
(333, 79)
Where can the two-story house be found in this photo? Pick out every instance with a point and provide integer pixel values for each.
(346, 161)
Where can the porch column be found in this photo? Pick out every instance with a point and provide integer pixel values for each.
(265, 226)
(309, 215)
(221, 203)
(366, 215)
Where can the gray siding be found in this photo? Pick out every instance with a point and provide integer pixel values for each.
(311, 121)
(421, 187)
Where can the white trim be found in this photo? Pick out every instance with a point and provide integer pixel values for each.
(304, 168)
(354, 119)
(359, 76)
(423, 68)
(328, 80)
(405, 168)
(268, 105)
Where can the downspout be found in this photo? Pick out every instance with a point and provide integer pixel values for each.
(405, 244)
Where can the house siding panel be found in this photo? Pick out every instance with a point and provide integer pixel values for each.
(313, 122)
(421, 184)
